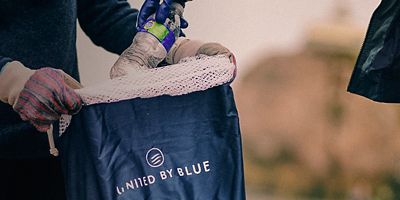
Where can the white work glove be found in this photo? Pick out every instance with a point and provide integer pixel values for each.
(39, 96)
(150, 45)
(184, 47)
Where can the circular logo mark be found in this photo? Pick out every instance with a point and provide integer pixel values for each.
(148, 25)
(155, 157)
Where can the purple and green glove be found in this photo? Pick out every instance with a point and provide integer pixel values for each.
(39, 96)
(183, 47)
(162, 11)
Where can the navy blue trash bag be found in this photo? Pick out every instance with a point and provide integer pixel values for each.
(166, 147)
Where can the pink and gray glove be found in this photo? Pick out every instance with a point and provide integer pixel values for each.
(40, 96)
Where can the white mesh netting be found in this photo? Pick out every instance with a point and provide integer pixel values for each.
(190, 75)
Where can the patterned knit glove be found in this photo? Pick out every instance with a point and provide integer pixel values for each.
(46, 96)
(40, 96)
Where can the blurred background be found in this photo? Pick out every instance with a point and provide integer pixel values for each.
(304, 136)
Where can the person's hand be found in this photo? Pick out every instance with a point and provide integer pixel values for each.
(212, 49)
(39, 96)
(162, 11)
(184, 47)
(46, 96)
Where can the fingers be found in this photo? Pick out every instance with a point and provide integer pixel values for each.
(176, 27)
(212, 49)
(184, 23)
(69, 99)
(32, 110)
(72, 102)
(42, 126)
(46, 96)
(163, 11)
(148, 8)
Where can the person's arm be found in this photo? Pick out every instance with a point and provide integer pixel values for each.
(110, 24)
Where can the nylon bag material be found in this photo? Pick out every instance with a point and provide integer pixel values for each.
(166, 147)
(377, 72)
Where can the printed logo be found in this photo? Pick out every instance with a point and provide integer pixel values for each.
(148, 25)
(155, 157)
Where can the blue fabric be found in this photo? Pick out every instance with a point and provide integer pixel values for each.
(42, 33)
(377, 71)
(4, 61)
(110, 146)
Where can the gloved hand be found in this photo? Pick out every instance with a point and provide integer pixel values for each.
(162, 11)
(212, 49)
(39, 96)
(153, 41)
(184, 47)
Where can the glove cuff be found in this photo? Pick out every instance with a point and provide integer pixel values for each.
(161, 32)
(12, 80)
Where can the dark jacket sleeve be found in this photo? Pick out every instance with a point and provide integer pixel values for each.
(3, 61)
(110, 24)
